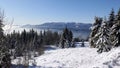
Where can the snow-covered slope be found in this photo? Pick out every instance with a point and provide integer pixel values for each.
(79, 58)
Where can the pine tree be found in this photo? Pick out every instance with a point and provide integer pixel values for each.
(111, 18)
(62, 42)
(94, 30)
(103, 43)
(5, 60)
(70, 38)
(115, 31)
(65, 33)
(66, 38)
(56, 38)
(1, 23)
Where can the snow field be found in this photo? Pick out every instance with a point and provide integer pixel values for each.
(79, 57)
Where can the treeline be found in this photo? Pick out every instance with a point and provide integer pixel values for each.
(105, 33)
(25, 44)
(31, 41)
(66, 40)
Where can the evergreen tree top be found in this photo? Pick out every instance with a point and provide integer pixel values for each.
(119, 11)
(118, 15)
(112, 12)
(98, 21)
(112, 15)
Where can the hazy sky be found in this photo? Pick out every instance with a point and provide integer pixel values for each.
(40, 11)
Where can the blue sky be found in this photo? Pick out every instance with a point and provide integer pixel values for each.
(41, 11)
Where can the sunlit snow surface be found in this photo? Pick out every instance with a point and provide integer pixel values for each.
(80, 57)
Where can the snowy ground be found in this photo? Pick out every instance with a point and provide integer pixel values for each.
(80, 57)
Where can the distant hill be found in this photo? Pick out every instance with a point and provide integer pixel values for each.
(79, 29)
(60, 25)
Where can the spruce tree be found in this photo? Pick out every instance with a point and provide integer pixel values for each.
(103, 43)
(5, 60)
(66, 38)
(70, 38)
(94, 30)
(115, 31)
(62, 41)
(111, 18)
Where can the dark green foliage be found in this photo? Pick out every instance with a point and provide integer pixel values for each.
(66, 38)
(50, 38)
(5, 60)
(31, 41)
(24, 41)
(76, 40)
(111, 19)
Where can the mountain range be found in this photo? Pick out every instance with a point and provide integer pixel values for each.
(78, 29)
